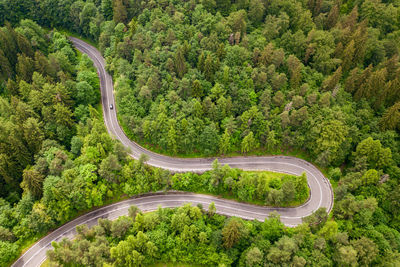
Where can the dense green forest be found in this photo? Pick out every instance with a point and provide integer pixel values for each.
(58, 160)
(191, 234)
(214, 77)
(204, 77)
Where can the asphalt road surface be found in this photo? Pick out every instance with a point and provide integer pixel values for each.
(321, 194)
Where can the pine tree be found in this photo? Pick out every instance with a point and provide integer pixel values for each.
(209, 68)
(266, 55)
(6, 70)
(360, 37)
(232, 232)
(338, 50)
(347, 57)
(33, 134)
(225, 143)
(393, 68)
(392, 91)
(221, 51)
(330, 83)
(391, 119)
(332, 17)
(11, 87)
(42, 65)
(24, 45)
(256, 11)
(132, 27)
(249, 143)
(294, 66)
(351, 19)
(32, 182)
(25, 68)
(362, 86)
(200, 62)
(119, 12)
(352, 81)
(376, 88)
(197, 89)
(315, 7)
(172, 144)
(180, 64)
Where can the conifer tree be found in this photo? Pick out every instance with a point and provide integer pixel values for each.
(362, 87)
(351, 83)
(294, 66)
(330, 83)
(180, 64)
(332, 17)
(392, 91)
(119, 12)
(347, 57)
(172, 146)
(225, 142)
(249, 143)
(351, 19)
(391, 119)
(32, 182)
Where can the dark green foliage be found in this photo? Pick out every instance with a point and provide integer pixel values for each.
(191, 235)
(221, 67)
(37, 124)
(203, 77)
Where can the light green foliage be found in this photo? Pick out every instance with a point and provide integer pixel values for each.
(268, 188)
(245, 57)
(7, 252)
(282, 251)
(203, 78)
(33, 32)
(249, 143)
(370, 177)
(374, 154)
(347, 255)
(329, 230)
(331, 138)
(254, 257)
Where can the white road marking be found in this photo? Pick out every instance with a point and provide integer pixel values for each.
(115, 130)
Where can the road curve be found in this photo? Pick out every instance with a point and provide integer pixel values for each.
(321, 194)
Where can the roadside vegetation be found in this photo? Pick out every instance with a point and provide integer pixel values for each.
(206, 78)
(194, 235)
(262, 188)
(57, 159)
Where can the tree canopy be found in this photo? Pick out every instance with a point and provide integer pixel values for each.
(320, 79)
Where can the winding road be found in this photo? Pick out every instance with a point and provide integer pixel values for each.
(321, 194)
